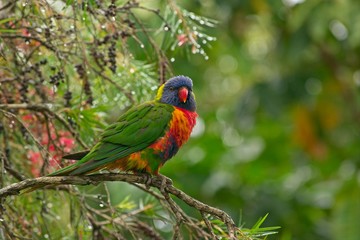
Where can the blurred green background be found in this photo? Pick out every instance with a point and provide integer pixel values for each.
(278, 101)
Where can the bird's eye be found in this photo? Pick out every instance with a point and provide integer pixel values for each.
(172, 88)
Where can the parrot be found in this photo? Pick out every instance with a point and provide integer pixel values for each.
(144, 137)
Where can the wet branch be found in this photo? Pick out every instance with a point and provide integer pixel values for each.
(157, 182)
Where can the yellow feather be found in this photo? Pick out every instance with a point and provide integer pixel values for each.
(159, 92)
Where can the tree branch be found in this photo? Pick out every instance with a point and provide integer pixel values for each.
(157, 182)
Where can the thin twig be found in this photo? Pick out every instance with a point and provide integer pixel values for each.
(208, 224)
(8, 80)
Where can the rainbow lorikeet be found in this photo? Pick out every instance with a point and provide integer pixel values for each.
(145, 137)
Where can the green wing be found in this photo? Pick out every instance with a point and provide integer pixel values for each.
(134, 131)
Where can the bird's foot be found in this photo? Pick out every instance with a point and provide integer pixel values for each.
(165, 181)
(148, 179)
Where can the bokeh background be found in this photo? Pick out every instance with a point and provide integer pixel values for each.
(278, 101)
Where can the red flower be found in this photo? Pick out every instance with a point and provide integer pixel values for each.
(36, 162)
(56, 143)
(182, 39)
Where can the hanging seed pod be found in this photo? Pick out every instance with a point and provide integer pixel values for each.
(87, 88)
(71, 122)
(23, 90)
(88, 92)
(90, 100)
(67, 98)
(106, 39)
(80, 71)
(111, 11)
(112, 57)
(47, 33)
(43, 62)
(54, 79)
(61, 75)
(24, 133)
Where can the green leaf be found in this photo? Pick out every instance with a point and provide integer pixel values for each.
(258, 231)
(9, 30)
(5, 20)
(69, 2)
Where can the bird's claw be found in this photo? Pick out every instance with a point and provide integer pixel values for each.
(165, 181)
(148, 180)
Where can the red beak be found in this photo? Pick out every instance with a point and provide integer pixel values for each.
(183, 94)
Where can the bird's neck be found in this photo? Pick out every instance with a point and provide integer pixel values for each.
(190, 116)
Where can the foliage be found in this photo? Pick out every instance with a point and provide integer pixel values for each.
(67, 69)
(279, 99)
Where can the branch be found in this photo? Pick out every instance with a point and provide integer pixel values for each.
(157, 182)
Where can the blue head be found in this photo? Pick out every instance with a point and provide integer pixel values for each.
(177, 91)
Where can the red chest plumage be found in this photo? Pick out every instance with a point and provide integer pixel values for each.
(182, 123)
(180, 127)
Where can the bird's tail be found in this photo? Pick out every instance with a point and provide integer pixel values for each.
(77, 155)
(63, 171)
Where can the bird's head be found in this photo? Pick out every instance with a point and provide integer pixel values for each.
(177, 91)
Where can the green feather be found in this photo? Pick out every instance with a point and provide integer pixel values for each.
(137, 129)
